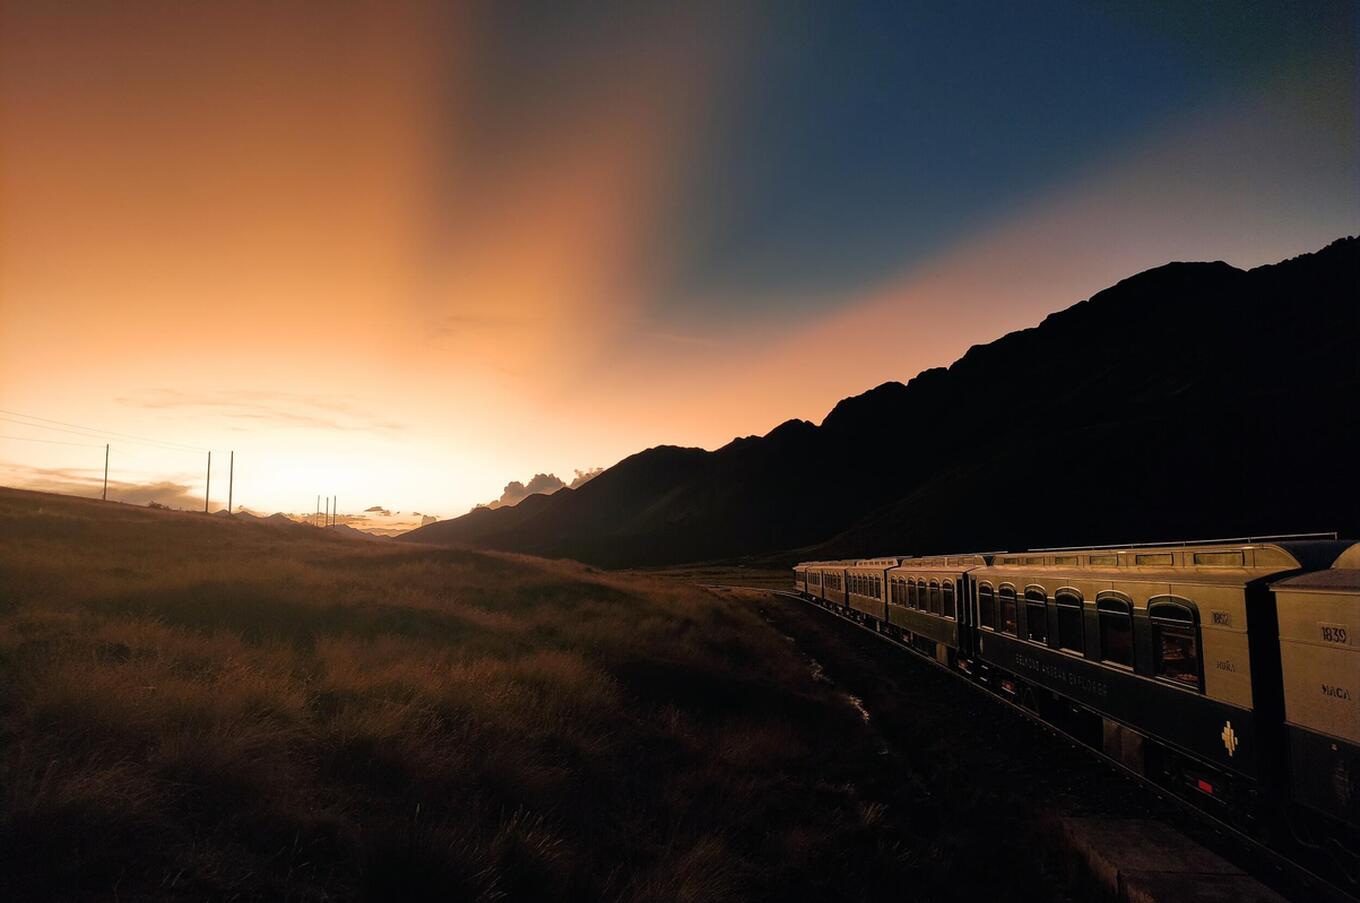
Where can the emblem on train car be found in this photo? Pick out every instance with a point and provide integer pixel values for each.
(1229, 738)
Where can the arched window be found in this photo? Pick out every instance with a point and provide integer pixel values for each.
(1175, 642)
(935, 603)
(1036, 614)
(986, 606)
(914, 593)
(947, 590)
(1006, 615)
(1070, 631)
(1116, 628)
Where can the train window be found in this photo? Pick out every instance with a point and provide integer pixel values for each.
(1036, 614)
(878, 587)
(1006, 616)
(935, 602)
(1116, 630)
(986, 607)
(947, 589)
(1070, 632)
(1175, 642)
(913, 594)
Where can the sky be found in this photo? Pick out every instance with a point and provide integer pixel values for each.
(411, 254)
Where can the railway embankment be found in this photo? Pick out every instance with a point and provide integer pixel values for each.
(1047, 801)
(1139, 860)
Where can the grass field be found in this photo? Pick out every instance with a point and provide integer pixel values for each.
(195, 707)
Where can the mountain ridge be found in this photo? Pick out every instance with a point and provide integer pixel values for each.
(1197, 353)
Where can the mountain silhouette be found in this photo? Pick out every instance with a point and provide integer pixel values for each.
(1190, 400)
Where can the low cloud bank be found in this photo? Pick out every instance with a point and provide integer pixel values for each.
(89, 482)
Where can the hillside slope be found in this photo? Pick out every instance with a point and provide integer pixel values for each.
(215, 708)
(1194, 398)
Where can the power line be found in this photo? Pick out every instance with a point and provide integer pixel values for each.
(106, 432)
(91, 432)
(52, 441)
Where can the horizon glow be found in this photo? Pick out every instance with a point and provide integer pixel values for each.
(407, 254)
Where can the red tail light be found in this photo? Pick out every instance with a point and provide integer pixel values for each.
(1205, 786)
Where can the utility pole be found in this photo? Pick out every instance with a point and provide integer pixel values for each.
(105, 496)
(316, 518)
(231, 477)
(335, 508)
(326, 518)
(207, 484)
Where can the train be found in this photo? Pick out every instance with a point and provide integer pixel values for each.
(1226, 673)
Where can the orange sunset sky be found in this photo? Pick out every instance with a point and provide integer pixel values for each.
(407, 253)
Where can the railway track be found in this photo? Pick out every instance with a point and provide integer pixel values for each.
(1297, 878)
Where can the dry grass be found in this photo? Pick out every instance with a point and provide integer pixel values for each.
(200, 708)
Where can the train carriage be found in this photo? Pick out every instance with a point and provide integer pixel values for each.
(1319, 628)
(1166, 658)
(830, 583)
(866, 580)
(927, 601)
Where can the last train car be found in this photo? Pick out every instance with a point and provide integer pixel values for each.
(1166, 658)
(1319, 616)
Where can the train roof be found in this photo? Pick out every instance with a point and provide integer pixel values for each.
(877, 564)
(1342, 577)
(1226, 557)
(1280, 555)
(971, 560)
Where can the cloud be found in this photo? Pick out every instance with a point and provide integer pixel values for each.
(516, 492)
(281, 408)
(545, 483)
(585, 476)
(379, 510)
